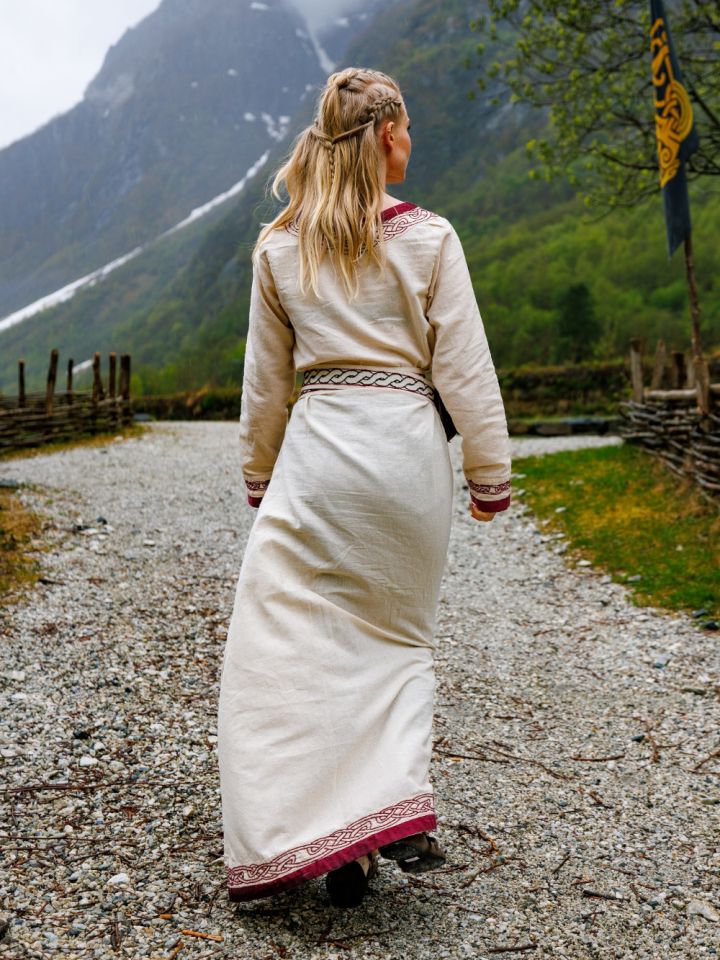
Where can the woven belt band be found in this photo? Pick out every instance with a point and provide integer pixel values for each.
(330, 378)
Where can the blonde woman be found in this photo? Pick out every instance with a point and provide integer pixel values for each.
(327, 686)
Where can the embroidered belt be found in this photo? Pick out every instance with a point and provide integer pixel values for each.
(330, 378)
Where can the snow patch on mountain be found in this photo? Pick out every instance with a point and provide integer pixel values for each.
(324, 60)
(277, 130)
(68, 292)
(221, 198)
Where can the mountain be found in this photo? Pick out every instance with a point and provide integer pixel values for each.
(180, 307)
(185, 103)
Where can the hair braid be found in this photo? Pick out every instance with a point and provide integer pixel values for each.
(335, 206)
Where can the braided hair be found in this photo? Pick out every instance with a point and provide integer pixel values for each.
(333, 177)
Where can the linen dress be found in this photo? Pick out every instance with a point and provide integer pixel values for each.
(326, 695)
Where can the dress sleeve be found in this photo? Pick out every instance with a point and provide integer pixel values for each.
(464, 375)
(268, 381)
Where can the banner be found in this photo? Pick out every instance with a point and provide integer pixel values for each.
(675, 129)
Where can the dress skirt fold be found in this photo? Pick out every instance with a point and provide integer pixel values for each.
(326, 696)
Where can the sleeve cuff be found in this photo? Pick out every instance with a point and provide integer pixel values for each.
(256, 491)
(490, 497)
(491, 506)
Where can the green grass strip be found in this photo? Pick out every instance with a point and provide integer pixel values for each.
(630, 516)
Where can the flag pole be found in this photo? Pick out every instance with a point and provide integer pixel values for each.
(692, 288)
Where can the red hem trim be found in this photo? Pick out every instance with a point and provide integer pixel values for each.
(254, 501)
(396, 210)
(491, 506)
(334, 860)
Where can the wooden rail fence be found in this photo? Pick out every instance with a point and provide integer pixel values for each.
(31, 419)
(677, 416)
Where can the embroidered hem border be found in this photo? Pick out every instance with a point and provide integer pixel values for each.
(259, 880)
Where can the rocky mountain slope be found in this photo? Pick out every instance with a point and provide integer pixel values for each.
(184, 104)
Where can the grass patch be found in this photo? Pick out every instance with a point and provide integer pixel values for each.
(632, 517)
(18, 529)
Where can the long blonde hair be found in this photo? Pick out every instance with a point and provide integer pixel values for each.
(333, 178)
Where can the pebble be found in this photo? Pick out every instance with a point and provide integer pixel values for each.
(118, 878)
(700, 909)
(538, 663)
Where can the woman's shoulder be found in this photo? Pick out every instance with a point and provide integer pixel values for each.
(408, 218)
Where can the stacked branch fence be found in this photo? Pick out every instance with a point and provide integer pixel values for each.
(35, 418)
(677, 416)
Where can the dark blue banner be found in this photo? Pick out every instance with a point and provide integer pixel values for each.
(675, 129)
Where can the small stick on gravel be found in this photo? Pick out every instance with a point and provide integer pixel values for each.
(587, 892)
(562, 863)
(595, 798)
(615, 756)
(536, 763)
(203, 936)
(475, 831)
(493, 866)
(712, 756)
(520, 948)
(468, 756)
(115, 935)
(650, 739)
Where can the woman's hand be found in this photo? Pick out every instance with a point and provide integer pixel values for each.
(480, 514)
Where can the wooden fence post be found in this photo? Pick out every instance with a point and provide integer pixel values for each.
(702, 385)
(98, 393)
(21, 383)
(112, 361)
(69, 381)
(689, 370)
(50, 387)
(677, 370)
(115, 418)
(636, 371)
(659, 367)
(125, 387)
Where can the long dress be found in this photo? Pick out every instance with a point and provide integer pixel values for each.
(326, 695)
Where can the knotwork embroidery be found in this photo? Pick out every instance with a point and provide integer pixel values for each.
(673, 110)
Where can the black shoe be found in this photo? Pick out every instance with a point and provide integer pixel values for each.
(348, 884)
(415, 854)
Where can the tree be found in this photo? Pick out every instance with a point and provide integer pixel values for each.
(588, 65)
(578, 326)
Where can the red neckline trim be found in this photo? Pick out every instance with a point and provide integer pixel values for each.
(397, 209)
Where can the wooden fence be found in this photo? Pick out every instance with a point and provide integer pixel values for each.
(677, 416)
(31, 419)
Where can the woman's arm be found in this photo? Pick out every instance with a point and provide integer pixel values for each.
(268, 382)
(464, 374)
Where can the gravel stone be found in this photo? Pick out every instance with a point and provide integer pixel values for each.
(576, 782)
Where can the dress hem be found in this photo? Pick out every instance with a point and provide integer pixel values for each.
(321, 865)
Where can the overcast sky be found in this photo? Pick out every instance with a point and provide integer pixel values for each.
(51, 49)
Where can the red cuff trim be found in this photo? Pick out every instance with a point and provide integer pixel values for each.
(254, 501)
(491, 506)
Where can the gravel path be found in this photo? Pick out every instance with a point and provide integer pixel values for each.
(579, 801)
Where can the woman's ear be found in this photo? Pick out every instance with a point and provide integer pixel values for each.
(388, 137)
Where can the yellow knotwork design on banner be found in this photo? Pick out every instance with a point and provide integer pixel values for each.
(673, 110)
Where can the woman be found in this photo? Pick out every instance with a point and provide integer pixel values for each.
(327, 686)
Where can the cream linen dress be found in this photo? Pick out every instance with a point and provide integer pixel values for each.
(326, 695)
